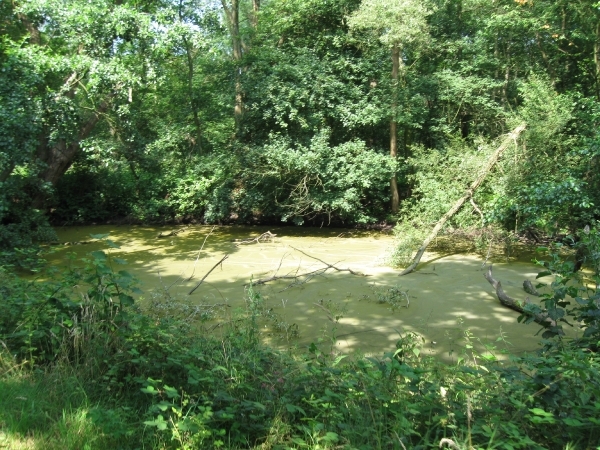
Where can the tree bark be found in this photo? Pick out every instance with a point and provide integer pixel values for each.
(394, 124)
(597, 59)
(59, 158)
(193, 102)
(468, 194)
(233, 21)
(255, 8)
(543, 319)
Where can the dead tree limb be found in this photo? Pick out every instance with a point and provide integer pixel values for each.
(543, 319)
(330, 266)
(530, 289)
(208, 273)
(265, 237)
(200, 251)
(171, 233)
(307, 276)
(512, 137)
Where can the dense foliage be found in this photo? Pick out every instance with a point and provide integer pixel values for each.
(199, 111)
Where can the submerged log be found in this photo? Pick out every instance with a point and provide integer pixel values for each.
(543, 319)
(512, 137)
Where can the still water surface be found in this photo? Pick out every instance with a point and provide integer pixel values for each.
(447, 296)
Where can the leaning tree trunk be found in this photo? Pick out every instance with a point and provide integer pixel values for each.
(468, 194)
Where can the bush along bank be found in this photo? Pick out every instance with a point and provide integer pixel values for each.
(82, 366)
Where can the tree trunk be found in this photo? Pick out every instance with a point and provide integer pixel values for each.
(255, 8)
(394, 125)
(193, 101)
(597, 59)
(468, 194)
(233, 21)
(59, 158)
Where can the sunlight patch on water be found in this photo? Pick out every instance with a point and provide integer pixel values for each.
(446, 296)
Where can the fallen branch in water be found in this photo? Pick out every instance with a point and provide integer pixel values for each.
(307, 276)
(543, 319)
(331, 266)
(265, 237)
(208, 273)
(171, 233)
(530, 289)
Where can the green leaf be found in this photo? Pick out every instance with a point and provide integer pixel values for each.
(573, 422)
(338, 359)
(126, 300)
(163, 405)
(99, 255)
(149, 390)
(545, 273)
(112, 244)
(159, 423)
(171, 392)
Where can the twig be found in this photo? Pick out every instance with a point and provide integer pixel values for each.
(406, 296)
(208, 273)
(307, 276)
(329, 315)
(487, 257)
(476, 208)
(330, 266)
(289, 277)
(399, 440)
(198, 257)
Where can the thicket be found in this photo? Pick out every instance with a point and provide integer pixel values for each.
(162, 112)
(83, 366)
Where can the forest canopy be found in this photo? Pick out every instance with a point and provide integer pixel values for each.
(308, 112)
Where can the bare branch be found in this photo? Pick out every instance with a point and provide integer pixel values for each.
(208, 273)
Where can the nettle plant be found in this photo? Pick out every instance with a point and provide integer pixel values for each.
(574, 296)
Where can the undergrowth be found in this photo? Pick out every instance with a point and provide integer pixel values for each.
(81, 367)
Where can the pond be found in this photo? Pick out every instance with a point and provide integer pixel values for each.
(446, 297)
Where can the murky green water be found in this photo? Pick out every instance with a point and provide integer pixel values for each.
(447, 296)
